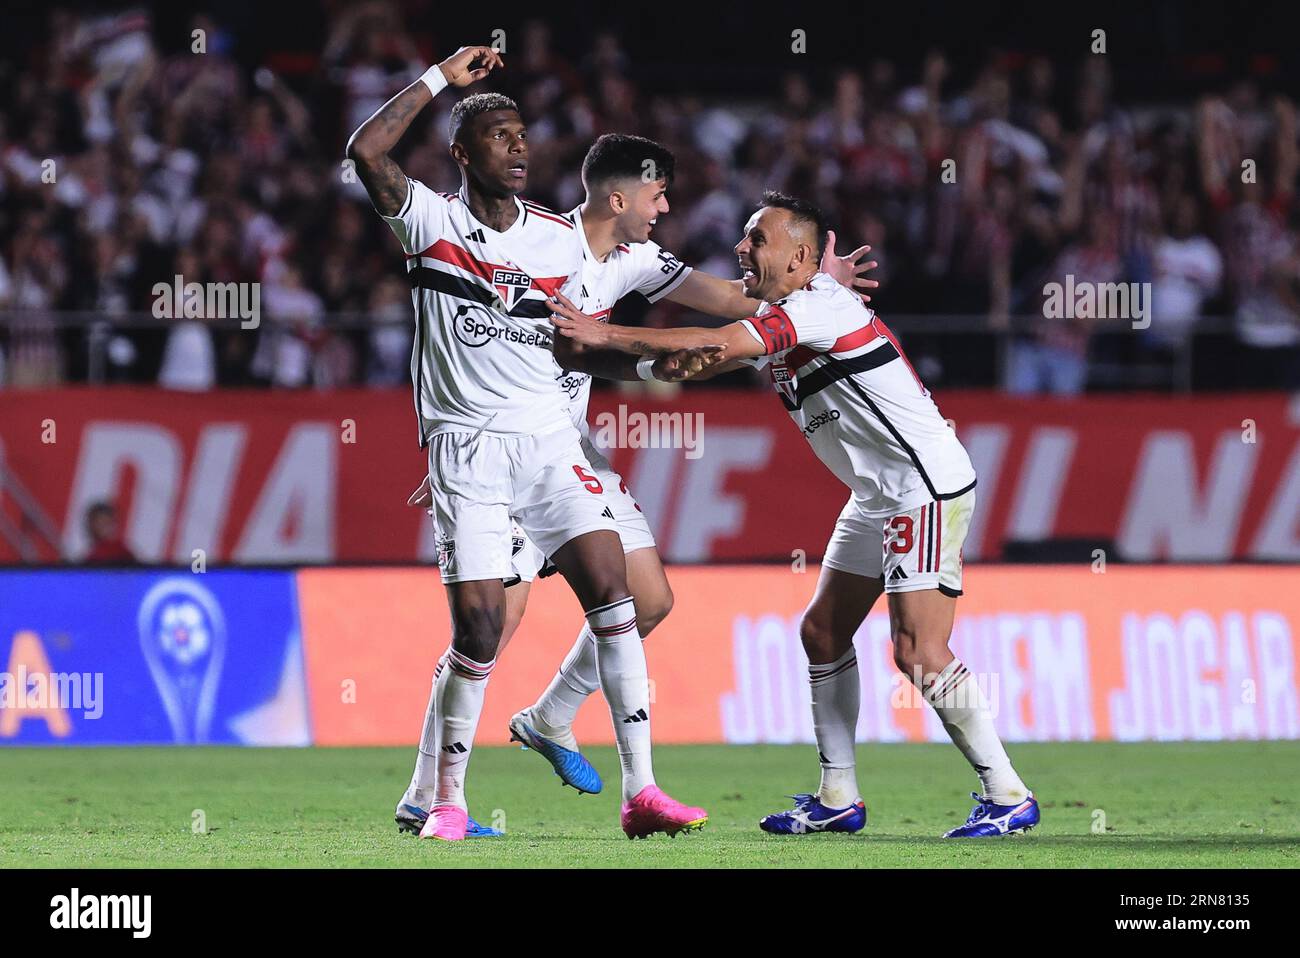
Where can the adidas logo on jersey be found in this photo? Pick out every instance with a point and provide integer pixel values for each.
(455, 748)
(638, 716)
(476, 237)
(898, 575)
(608, 513)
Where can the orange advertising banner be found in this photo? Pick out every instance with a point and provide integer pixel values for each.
(1062, 653)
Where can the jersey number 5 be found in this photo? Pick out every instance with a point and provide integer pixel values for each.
(589, 482)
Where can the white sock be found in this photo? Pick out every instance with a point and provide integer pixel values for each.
(960, 704)
(835, 696)
(620, 662)
(420, 791)
(577, 678)
(459, 695)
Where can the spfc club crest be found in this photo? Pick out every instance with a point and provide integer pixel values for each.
(784, 381)
(511, 284)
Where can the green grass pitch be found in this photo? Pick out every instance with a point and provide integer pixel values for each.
(1161, 805)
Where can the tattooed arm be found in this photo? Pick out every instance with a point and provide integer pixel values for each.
(733, 340)
(369, 146)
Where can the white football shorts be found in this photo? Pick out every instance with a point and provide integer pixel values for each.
(914, 550)
(485, 484)
(529, 561)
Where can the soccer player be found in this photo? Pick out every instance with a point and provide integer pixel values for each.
(626, 179)
(500, 439)
(842, 376)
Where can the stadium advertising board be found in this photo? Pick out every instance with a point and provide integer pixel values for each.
(109, 658)
(1134, 653)
(304, 477)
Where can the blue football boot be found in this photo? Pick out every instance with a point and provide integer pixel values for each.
(988, 820)
(809, 816)
(411, 818)
(567, 761)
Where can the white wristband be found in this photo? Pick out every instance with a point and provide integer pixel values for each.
(645, 368)
(434, 79)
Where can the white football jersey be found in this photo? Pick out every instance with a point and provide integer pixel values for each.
(644, 267)
(842, 376)
(482, 358)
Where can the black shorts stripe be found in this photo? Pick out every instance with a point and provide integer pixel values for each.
(929, 540)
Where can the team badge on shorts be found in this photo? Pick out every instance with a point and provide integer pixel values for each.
(446, 552)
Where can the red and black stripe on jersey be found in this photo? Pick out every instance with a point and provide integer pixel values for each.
(836, 370)
(453, 284)
(538, 210)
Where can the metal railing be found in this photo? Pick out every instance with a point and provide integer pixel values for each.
(33, 529)
(42, 347)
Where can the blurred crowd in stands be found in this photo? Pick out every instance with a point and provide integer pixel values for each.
(974, 191)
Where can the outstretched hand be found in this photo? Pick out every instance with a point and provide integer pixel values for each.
(573, 323)
(685, 363)
(469, 65)
(846, 270)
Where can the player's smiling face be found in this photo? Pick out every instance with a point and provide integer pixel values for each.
(495, 152)
(643, 204)
(766, 254)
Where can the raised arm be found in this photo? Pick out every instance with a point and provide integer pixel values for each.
(369, 146)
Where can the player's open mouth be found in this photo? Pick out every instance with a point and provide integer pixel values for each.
(518, 171)
(747, 275)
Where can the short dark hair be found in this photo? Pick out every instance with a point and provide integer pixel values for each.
(619, 156)
(98, 508)
(476, 105)
(803, 212)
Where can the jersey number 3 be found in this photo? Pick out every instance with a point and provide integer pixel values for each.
(901, 526)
